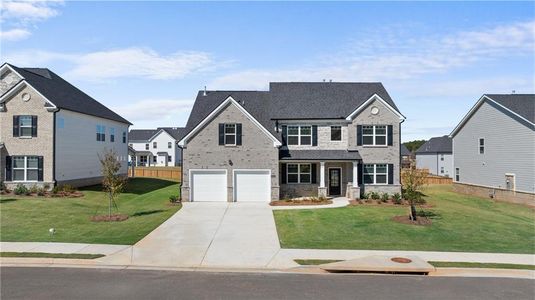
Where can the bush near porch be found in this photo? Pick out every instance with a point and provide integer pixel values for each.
(459, 223)
(145, 200)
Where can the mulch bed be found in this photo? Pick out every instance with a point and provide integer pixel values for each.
(75, 194)
(108, 218)
(421, 221)
(300, 202)
(174, 203)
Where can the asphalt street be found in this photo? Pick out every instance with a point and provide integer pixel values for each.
(76, 283)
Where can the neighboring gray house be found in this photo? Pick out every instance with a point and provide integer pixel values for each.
(51, 132)
(436, 155)
(407, 158)
(494, 145)
(296, 139)
(156, 147)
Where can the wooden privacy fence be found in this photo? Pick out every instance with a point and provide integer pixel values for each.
(432, 179)
(172, 173)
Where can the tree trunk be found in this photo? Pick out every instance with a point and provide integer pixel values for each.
(413, 212)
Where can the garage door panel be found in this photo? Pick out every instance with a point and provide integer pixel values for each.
(209, 185)
(252, 185)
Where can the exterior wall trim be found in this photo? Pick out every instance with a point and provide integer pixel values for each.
(370, 100)
(21, 85)
(183, 141)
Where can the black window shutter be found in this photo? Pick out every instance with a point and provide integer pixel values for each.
(238, 134)
(15, 126)
(284, 134)
(313, 170)
(314, 135)
(283, 173)
(34, 126)
(40, 168)
(221, 134)
(390, 173)
(390, 135)
(359, 135)
(359, 175)
(8, 168)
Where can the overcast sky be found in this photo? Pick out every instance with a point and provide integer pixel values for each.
(147, 60)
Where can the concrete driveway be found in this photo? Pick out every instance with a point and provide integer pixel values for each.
(210, 235)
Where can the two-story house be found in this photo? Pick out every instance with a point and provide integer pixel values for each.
(494, 148)
(52, 133)
(296, 139)
(436, 156)
(156, 147)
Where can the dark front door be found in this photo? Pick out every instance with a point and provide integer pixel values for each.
(334, 182)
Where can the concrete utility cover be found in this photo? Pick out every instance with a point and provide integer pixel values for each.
(383, 264)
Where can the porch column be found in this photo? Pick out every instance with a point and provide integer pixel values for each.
(355, 174)
(322, 174)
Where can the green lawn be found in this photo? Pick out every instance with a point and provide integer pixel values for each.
(27, 219)
(460, 223)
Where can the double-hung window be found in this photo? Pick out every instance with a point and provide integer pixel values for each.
(230, 134)
(154, 145)
(25, 126)
(457, 174)
(112, 134)
(124, 137)
(374, 135)
(146, 146)
(375, 174)
(25, 168)
(101, 133)
(481, 146)
(336, 133)
(169, 158)
(298, 173)
(169, 145)
(299, 135)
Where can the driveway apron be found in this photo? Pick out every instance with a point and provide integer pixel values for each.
(212, 234)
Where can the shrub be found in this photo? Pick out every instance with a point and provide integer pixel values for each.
(41, 191)
(67, 188)
(33, 189)
(21, 189)
(56, 190)
(46, 187)
(366, 196)
(375, 195)
(3, 187)
(174, 199)
(385, 197)
(397, 198)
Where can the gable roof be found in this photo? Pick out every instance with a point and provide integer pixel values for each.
(436, 145)
(148, 134)
(404, 150)
(63, 94)
(291, 100)
(520, 105)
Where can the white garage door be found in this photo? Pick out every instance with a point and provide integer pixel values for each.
(209, 185)
(252, 185)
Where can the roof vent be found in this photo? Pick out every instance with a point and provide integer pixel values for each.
(323, 80)
(204, 92)
(513, 92)
(330, 80)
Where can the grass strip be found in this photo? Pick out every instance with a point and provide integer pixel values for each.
(453, 264)
(51, 255)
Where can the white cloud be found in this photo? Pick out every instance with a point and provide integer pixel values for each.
(164, 112)
(16, 34)
(372, 59)
(121, 63)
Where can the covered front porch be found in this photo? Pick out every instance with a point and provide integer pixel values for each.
(319, 173)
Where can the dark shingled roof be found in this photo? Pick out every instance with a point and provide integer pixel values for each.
(436, 145)
(404, 150)
(285, 154)
(64, 95)
(292, 100)
(522, 104)
(145, 134)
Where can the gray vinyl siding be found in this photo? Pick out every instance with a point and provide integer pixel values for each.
(509, 148)
(432, 162)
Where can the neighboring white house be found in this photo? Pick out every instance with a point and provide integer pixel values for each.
(436, 156)
(494, 145)
(156, 147)
(52, 133)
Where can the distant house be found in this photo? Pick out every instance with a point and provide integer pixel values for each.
(156, 147)
(406, 157)
(52, 133)
(494, 146)
(436, 156)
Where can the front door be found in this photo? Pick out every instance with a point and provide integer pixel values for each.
(335, 182)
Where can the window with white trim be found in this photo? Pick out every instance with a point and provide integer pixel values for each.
(441, 157)
(169, 158)
(146, 146)
(25, 168)
(124, 137)
(481, 146)
(230, 134)
(169, 145)
(441, 170)
(375, 173)
(336, 133)
(298, 173)
(112, 134)
(25, 126)
(154, 145)
(101, 133)
(457, 174)
(299, 135)
(374, 135)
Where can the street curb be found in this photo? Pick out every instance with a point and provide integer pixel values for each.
(310, 270)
